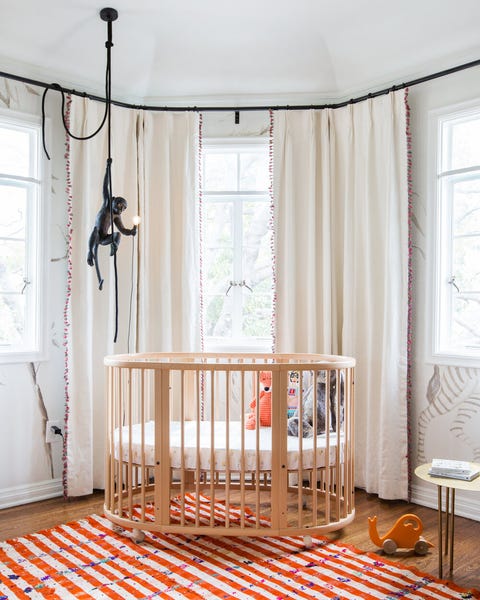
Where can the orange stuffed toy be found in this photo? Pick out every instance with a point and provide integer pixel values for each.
(265, 403)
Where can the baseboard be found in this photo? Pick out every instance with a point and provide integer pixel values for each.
(33, 492)
(466, 505)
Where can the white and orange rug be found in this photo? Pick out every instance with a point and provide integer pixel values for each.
(85, 559)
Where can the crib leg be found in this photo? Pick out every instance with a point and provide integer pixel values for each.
(138, 536)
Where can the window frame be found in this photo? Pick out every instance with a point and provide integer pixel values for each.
(34, 348)
(440, 235)
(223, 145)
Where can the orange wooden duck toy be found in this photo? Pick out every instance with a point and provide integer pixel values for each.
(404, 534)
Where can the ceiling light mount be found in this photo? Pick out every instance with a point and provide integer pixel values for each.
(109, 14)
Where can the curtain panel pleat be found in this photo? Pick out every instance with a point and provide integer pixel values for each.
(341, 231)
(168, 317)
(153, 168)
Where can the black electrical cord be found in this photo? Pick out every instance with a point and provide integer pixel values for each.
(109, 15)
(58, 88)
(131, 295)
(108, 115)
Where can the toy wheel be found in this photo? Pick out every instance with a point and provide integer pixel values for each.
(421, 547)
(389, 546)
(138, 536)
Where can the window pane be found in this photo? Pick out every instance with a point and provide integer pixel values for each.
(21, 241)
(220, 171)
(257, 270)
(218, 269)
(12, 323)
(254, 172)
(466, 321)
(13, 202)
(466, 213)
(14, 152)
(462, 145)
(218, 315)
(218, 224)
(12, 265)
(237, 243)
(257, 260)
(466, 265)
(257, 314)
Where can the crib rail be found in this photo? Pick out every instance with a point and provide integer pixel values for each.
(182, 456)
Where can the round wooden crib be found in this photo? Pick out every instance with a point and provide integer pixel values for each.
(182, 455)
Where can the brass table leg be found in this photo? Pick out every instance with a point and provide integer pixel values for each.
(452, 518)
(440, 533)
(449, 528)
(447, 519)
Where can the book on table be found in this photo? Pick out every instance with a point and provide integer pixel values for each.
(455, 469)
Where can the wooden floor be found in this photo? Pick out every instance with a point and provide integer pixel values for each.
(21, 520)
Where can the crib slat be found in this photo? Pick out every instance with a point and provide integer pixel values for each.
(119, 395)
(143, 474)
(227, 448)
(328, 471)
(278, 504)
(242, 449)
(162, 446)
(199, 416)
(110, 455)
(129, 413)
(212, 448)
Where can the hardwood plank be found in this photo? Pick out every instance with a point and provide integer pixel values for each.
(29, 518)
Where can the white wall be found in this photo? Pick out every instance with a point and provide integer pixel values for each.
(25, 469)
(435, 437)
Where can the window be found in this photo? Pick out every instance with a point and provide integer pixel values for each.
(21, 238)
(457, 269)
(237, 245)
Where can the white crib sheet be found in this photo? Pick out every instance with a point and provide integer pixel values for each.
(220, 443)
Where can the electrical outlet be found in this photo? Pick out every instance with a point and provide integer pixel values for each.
(50, 435)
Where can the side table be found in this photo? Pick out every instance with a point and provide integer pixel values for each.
(449, 484)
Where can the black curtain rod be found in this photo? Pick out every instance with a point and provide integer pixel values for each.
(393, 88)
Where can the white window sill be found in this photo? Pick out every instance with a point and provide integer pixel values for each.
(12, 357)
(454, 360)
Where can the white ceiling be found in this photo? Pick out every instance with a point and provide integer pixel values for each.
(243, 52)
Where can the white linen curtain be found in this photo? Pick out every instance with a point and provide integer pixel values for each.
(153, 166)
(341, 243)
(168, 316)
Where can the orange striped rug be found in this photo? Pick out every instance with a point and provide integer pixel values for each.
(85, 559)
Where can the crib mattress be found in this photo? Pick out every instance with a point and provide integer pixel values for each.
(295, 458)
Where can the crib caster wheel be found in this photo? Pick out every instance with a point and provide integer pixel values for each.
(307, 540)
(138, 536)
(389, 546)
(421, 547)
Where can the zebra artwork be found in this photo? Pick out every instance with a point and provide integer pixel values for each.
(452, 390)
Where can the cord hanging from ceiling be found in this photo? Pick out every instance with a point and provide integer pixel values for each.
(109, 216)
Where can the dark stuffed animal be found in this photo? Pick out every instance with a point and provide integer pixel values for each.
(311, 401)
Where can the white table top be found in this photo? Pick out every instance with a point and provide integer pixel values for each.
(458, 484)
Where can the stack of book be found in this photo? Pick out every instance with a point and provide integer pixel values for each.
(455, 469)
